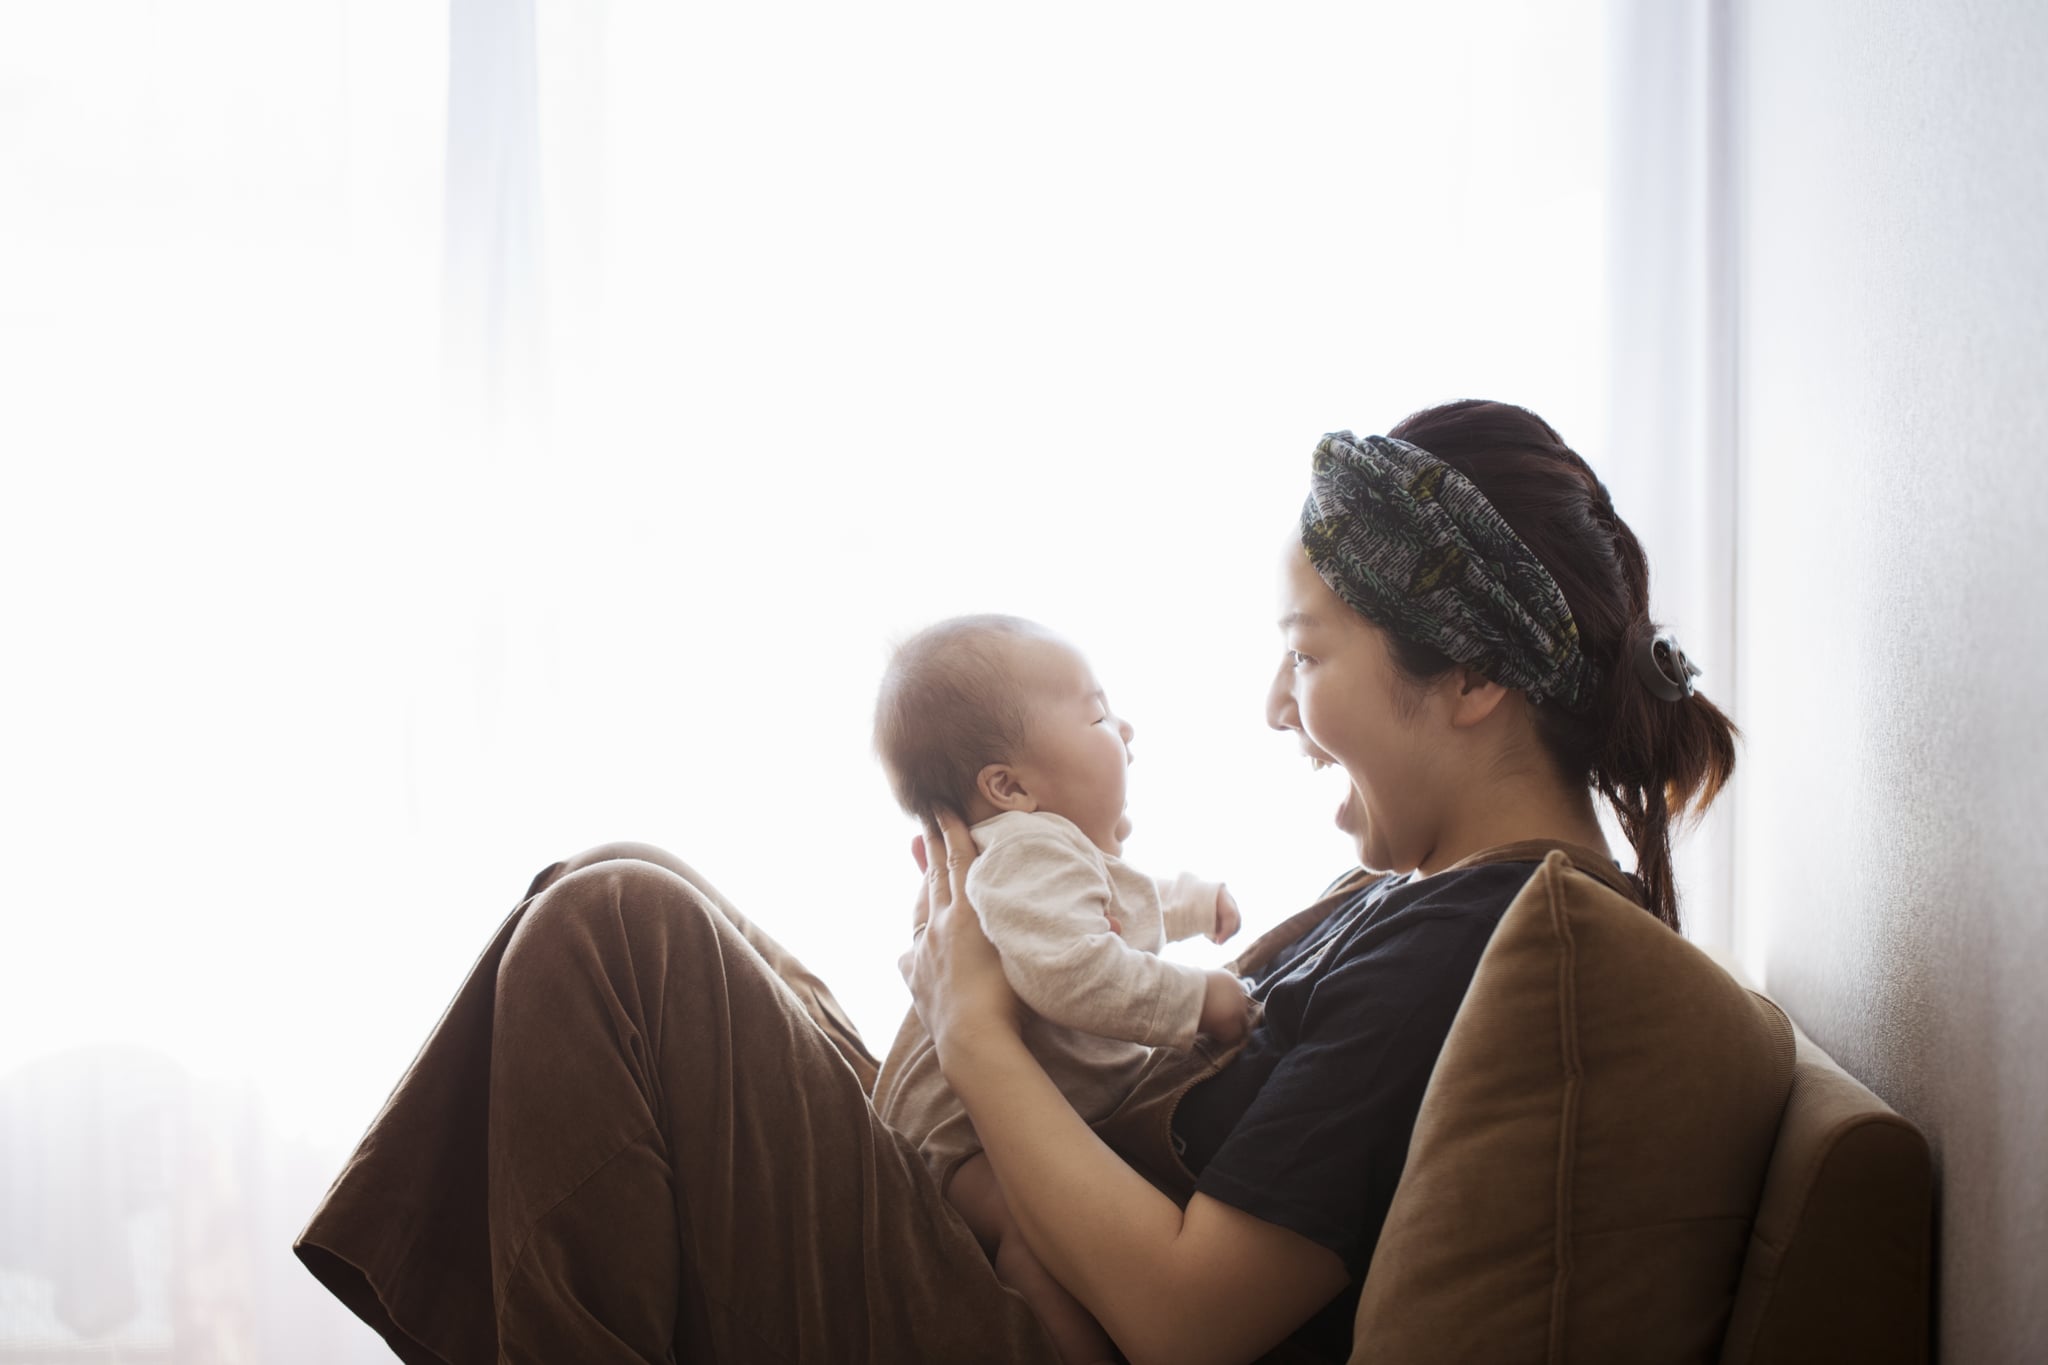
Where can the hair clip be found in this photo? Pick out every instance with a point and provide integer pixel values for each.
(1663, 667)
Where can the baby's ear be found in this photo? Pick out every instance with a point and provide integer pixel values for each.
(1000, 787)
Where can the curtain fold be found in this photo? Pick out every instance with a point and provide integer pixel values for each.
(493, 268)
(1671, 463)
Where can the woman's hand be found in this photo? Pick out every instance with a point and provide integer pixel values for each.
(955, 974)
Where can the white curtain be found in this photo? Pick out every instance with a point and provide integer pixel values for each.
(441, 439)
(860, 318)
(220, 277)
(1671, 459)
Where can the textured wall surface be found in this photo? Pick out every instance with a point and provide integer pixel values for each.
(1893, 591)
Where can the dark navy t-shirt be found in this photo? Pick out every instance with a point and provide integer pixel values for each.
(1309, 1127)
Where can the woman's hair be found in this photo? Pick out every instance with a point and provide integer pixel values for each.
(1654, 761)
(950, 705)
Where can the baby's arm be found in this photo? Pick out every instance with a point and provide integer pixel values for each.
(1193, 906)
(1045, 905)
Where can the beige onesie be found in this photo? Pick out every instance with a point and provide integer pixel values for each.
(1080, 933)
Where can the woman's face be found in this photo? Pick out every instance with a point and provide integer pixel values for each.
(1339, 691)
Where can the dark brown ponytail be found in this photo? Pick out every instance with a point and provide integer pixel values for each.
(1656, 762)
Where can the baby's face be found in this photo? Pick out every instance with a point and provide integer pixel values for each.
(1074, 760)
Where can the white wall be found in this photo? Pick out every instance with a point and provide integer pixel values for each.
(1893, 637)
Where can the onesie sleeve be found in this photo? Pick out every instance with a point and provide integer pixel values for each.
(1045, 905)
(1189, 904)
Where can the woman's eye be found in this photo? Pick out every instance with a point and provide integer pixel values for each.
(1297, 658)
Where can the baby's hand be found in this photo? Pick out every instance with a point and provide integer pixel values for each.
(1226, 1008)
(1228, 921)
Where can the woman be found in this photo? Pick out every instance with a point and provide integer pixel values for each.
(628, 1138)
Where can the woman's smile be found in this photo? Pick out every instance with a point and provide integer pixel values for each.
(1346, 810)
(1320, 762)
(1336, 690)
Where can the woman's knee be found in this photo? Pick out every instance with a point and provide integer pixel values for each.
(628, 850)
(620, 897)
(644, 933)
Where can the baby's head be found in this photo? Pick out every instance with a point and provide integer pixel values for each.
(985, 714)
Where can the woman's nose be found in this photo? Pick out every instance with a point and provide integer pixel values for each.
(1280, 713)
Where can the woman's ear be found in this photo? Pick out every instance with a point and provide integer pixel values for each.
(1001, 787)
(1477, 697)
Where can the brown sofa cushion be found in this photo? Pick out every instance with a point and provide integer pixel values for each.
(1591, 1149)
(1839, 1266)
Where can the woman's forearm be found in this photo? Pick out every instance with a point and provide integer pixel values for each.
(1098, 1226)
(1208, 1283)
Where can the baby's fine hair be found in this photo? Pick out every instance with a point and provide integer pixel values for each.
(949, 706)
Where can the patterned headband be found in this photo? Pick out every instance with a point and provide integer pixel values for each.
(1414, 547)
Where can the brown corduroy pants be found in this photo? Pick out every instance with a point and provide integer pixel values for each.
(642, 1132)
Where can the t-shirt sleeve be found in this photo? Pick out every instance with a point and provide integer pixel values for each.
(1046, 908)
(1321, 1146)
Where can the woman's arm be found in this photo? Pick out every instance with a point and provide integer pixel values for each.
(1209, 1283)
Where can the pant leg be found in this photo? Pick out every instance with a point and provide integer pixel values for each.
(680, 1158)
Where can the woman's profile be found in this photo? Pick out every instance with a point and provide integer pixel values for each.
(643, 1131)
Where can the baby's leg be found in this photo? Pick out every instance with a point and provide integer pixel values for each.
(975, 1192)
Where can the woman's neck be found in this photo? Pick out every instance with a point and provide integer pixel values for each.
(1517, 809)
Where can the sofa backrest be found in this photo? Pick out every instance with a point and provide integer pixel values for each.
(1839, 1262)
(1626, 1155)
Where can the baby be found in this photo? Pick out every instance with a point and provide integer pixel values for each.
(1000, 720)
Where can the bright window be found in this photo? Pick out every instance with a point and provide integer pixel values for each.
(771, 332)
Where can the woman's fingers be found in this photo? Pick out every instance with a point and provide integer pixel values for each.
(959, 843)
(949, 877)
(921, 912)
(955, 973)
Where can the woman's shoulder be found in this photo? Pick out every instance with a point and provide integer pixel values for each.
(1395, 905)
(1480, 880)
(1482, 887)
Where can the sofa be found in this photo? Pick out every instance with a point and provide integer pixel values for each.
(1626, 1155)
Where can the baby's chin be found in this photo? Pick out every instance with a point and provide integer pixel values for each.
(1123, 828)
